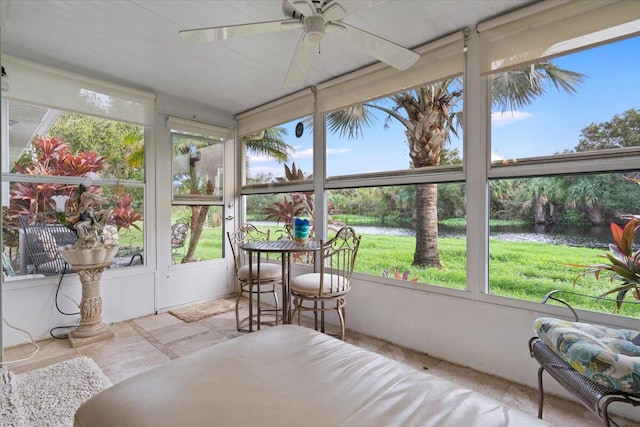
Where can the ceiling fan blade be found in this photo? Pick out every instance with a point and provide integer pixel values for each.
(375, 46)
(333, 11)
(303, 7)
(241, 30)
(301, 62)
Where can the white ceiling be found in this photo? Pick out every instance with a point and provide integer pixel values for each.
(136, 42)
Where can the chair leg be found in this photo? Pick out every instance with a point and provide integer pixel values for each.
(258, 307)
(344, 318)
(603, 405)
(540, 393)
(315, 315)
(341, 317)
(296, 309)
(237, 306)
(250, 307)
(275, 298)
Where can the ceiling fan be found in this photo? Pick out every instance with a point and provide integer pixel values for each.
(317, 18)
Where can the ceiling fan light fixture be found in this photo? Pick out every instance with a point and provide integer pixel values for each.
(314, 28)
(315, 37)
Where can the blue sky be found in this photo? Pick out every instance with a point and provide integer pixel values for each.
(549, 125)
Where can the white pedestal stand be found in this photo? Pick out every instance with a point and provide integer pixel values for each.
(91, 328)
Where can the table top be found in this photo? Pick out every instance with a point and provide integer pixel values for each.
(281, 246)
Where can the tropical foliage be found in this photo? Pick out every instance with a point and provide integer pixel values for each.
(269, 142)
(619, 132)
(48, 156)
(110, 138)
(622, 263)
(296, 204)
(398, 276)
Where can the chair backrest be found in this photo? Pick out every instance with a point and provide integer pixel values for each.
(43, 235)
(337, 260)
(246, 233)
(179, 232)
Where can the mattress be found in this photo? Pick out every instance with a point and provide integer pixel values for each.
(291, 376)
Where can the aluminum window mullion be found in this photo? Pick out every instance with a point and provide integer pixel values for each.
(418, 177)
(603, 164)
(50, 179)
(276, 188)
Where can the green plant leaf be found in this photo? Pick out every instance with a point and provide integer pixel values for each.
(627, 237)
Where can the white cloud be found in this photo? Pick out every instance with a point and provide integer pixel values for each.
(302, 154)
(309, 152)
(508, 117)
(259, 159)
(339, 150)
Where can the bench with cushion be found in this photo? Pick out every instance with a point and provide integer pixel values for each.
(294, 376)
(597, 364)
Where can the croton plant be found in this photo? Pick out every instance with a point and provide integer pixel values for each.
(622, 262)
(52, 157)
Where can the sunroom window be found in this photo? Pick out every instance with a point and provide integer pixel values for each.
(278, 176)
(198, 179)
(279, 155)
(386, 219)
(560, 167)
(56, 128)
(395, 169)
(49, 153)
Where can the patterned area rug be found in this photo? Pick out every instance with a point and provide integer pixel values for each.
(200, 310)
(49, 396)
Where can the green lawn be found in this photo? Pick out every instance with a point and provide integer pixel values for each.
(521, 270)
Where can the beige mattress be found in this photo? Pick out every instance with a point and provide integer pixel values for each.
(291, 376)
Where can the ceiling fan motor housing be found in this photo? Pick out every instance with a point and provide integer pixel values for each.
(314, 28)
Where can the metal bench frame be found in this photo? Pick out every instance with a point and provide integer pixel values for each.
(594, 396)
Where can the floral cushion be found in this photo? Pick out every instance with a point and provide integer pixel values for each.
(607, 356)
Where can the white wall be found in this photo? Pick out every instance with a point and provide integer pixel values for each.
(29, 304)
(487, 336)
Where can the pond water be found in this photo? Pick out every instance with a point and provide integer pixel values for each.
(586, 236)
(591, 236)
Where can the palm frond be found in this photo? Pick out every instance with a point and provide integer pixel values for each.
(350, 121)
(516, 88)
(269, 142)
(136, 158)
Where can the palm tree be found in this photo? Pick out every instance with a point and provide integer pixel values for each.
(540, 197)
(268, 142)
(429, 116)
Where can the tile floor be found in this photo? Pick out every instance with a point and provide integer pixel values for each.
(143, 343)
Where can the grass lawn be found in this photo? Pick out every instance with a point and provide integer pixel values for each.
(521, 270)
